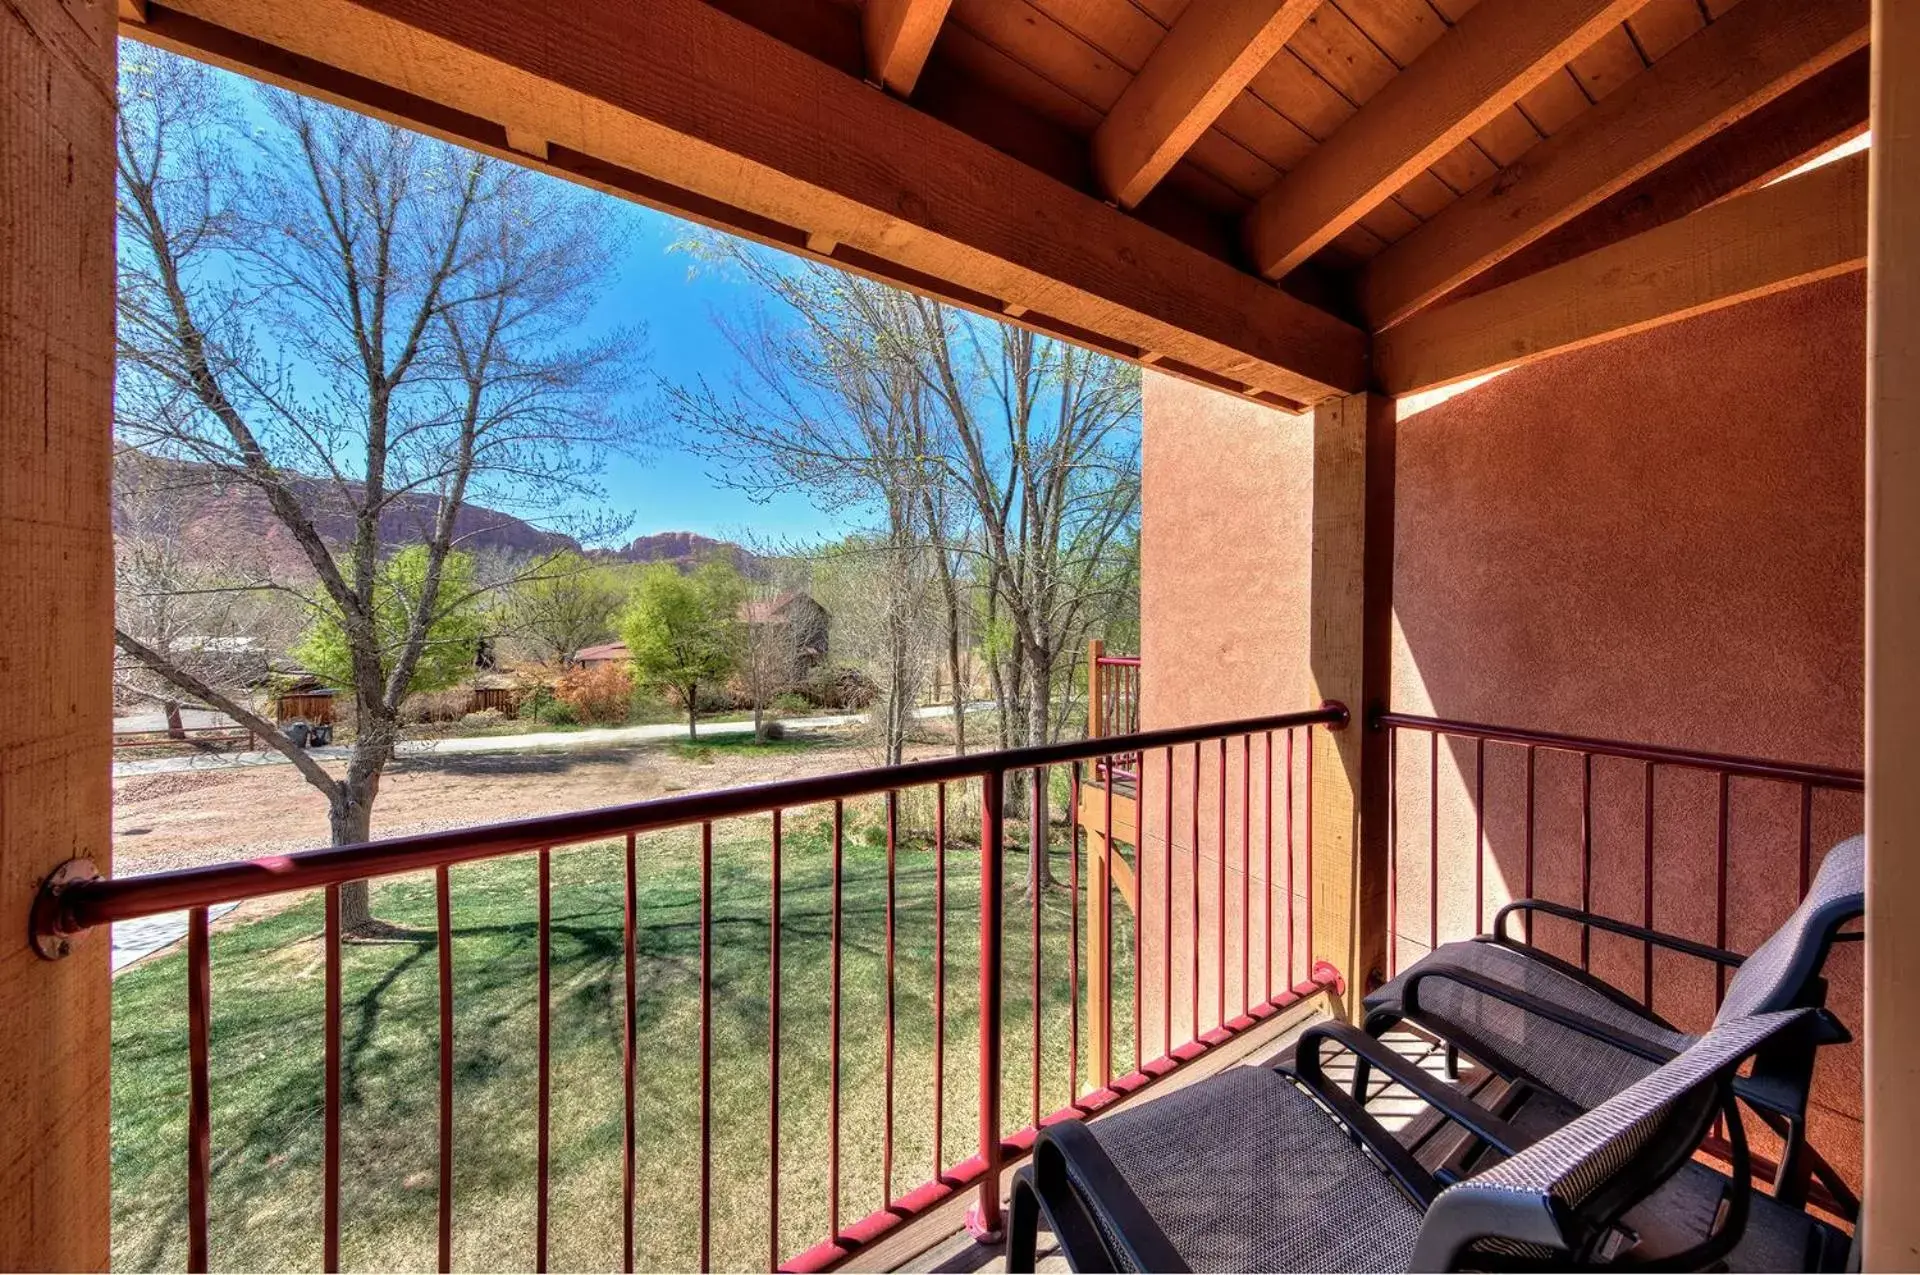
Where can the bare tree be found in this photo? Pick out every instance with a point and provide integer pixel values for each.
(770, 648)
(826, 402)
(186, 595)
(372, 329)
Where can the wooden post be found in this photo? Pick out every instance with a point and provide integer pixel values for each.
(1350, 650)
(56, 591)
(1096, 694)
(1891, 1205)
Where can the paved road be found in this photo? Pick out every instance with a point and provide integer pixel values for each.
(608, 737)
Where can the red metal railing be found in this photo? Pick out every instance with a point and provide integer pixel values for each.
(1113, 704)
(1783, 791)
(76, 902)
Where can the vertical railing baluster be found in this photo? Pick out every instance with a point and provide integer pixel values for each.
(1139, 896)
(706, 1047)
(886, 1141)
(939, 977)
(1266, 921)
(1526, 869)
(1193, 989)
(1806, 839)
(1246, 874)
(1166, 907)
(330, 1155)
(1586, 857)
(629, 1046)
(1480, 836)
(544, 1168)
(1291, 980)
(1393, 852)
(1106, 927)
(199, 1104)
(1646, 884)
(443, 921)
(1308, 866)
(1220, 900)
(1073, 940)
(992, 956)
(1433, 840)
(773, 1057)
(1720, 890)
(1036, 874)
(835, 942)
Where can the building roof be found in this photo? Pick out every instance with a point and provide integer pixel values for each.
(604, 651)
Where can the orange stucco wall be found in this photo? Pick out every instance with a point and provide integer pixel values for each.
(1659, 539)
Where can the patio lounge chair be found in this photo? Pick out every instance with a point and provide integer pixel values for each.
(1247, 1171)
(1551, 1029)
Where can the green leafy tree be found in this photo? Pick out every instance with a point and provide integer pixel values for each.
(453, 629)
(567, 603)
(684, 631)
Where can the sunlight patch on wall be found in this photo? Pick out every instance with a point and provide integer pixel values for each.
(1415, 403)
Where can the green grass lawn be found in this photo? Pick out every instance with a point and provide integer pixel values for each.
(266, 1070)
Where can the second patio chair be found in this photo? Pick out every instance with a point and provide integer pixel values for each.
(1247, 1171)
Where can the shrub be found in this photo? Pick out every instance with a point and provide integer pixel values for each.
(839, 686)
(535, 702)
(434, 706)
(557, 712)
(485, 717)
(791, 702)
(602, 693)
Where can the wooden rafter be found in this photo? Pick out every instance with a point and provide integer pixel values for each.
(1794, 128)
(899, 34)
(1795, 231)
(1212, 52)
(1758, 51)
(683, 106)
(1499, 51)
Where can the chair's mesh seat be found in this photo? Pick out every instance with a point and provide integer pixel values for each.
(1573, 1065)
(1244, 1172)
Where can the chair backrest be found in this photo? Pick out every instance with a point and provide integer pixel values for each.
(1776, 976)
(1557, 1199)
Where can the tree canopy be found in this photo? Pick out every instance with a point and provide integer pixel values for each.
(453, 625)
(684, 631)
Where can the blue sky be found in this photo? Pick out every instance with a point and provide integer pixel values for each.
(668, 489)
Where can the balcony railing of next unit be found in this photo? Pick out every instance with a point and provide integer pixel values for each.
(1201, 780)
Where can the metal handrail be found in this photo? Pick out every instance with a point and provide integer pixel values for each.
(1835, 777)
(73, 903)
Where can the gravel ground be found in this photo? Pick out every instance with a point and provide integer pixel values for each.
(187, 819)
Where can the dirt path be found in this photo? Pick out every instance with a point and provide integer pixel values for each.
(182, 820)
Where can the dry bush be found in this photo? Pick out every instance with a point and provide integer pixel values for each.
(602, 693)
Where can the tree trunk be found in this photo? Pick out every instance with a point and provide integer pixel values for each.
(175, 729)
(759, 722)
(693, 711)
(352, 823)
(1039, 719)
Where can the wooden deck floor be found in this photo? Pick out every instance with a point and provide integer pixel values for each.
(1396, 1108)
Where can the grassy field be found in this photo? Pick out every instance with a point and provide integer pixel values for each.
(266, 1057)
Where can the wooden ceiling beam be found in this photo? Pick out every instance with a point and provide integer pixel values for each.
(1757, 52)
(684, 107)
(1798, 126)
(1796, 231)
(1213, 51)
(899, 34)
(1499, 50)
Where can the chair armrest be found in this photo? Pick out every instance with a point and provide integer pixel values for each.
(1449, 1102)
(1672, 942)
(1070, 1169)
(1573, 1020)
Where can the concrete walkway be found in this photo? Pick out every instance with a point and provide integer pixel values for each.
(610, 737)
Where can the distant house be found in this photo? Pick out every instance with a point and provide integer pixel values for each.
(605, 653)
(804, 620)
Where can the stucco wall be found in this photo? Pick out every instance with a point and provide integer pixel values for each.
(1658, 539)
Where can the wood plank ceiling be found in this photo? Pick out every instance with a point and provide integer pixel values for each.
(1379, 159)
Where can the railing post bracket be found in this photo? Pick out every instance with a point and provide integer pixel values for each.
(52, 938)
(1335, 706)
